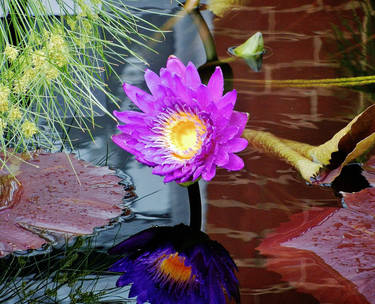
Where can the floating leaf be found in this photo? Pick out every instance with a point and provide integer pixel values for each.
(48, 198)
(328, 252)
(355, 141)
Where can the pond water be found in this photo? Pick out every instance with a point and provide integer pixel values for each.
(242, 209)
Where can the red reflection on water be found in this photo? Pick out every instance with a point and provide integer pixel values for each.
(245, 207)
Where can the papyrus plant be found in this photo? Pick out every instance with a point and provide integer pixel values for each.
(50, 67)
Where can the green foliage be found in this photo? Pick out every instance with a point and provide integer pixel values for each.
(355, 44)
(75, 267)
(51, 66)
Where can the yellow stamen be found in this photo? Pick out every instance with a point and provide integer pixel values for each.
(183, 134)
(173, 267)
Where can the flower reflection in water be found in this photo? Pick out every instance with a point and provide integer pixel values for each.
(176, 265)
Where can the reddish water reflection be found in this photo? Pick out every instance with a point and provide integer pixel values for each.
(244, 207)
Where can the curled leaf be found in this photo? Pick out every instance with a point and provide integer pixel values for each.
(267, 142)
(353, 142)
(49, 198)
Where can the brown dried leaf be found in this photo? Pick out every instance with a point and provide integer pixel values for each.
(354, 141)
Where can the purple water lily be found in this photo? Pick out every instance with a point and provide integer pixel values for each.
(185, 128)
(176, 265)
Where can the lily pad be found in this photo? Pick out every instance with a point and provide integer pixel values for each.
(329, 252)
(54, 195)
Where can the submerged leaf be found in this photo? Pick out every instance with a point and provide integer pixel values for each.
(353, 142)
(53, 199)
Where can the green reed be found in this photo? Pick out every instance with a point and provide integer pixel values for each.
(53, 68)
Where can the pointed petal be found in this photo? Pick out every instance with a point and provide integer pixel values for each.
(239, 119)
(174, 65)
(228, 98)
(202, 97)
(132, 117)
(153, 83)
(192, 78)
(140, 98)
(216, 84)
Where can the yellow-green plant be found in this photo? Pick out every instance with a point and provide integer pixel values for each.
(51, 65)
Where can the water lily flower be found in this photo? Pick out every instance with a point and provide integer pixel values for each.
(177, 264)
(185, 128)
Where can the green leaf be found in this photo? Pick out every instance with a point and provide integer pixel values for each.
(253, 46)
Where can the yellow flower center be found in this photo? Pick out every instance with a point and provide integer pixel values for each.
(184, 134)
(173, 267)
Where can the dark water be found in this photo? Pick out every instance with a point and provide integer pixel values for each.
(242, 208)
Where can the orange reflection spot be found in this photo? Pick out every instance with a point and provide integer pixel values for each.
(173, 267)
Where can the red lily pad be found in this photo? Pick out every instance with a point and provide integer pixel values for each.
(47, 198)
(328, 252)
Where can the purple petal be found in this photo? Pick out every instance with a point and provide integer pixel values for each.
(174, 65)
(136, 241)
(165, 169)
(192, 78)
(120, 140)
(235, 163)
(135, 131)
(228, 98)
(216, 84)
(181, 91)
(202, 97)
(236, 145)
(140, 98)
(153, 83)
(239, 119)
(222, 157)
(197, 172)
(133, 117)
(169, 178)
(227, 134)
(128, 143)
(166, 78)
(209, 173)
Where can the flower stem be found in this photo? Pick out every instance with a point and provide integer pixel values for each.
(205, 35)
(195, 206)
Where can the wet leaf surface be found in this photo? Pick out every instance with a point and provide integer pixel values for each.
(329, 252)
(48, 199)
